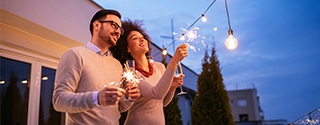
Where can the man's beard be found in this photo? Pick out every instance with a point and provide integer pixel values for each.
(105, 37)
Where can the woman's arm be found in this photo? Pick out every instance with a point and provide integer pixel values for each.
(177, 82)
(159, 90)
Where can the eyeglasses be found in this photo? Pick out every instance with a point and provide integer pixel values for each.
(113, 24)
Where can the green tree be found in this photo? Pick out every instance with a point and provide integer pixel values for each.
(11, 103)
(172, 112)
(211, 104)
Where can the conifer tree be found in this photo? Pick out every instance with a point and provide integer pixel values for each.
(211, 104)
(172, 113)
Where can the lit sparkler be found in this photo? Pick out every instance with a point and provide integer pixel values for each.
(191, 35)
(130, 74)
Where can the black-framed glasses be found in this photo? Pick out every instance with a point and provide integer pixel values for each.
(113, 24)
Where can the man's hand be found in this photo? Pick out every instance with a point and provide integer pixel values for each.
(110, 95)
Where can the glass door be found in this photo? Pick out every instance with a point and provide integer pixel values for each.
(26, 87)
(14, 91)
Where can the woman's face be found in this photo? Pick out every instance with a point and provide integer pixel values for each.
(137, 45)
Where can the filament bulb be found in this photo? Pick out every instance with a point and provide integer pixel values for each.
(203, 18)
(231, 42)
(182, 37)
(164, 52)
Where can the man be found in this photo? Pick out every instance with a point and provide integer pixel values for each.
(85, 75)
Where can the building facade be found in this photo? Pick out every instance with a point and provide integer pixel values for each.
(245, 106)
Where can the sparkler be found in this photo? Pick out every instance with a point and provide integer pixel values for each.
(191, 35)
(130, 74)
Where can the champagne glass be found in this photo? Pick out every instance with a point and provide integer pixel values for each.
(130, 63)
(130, 75)
(178, 72)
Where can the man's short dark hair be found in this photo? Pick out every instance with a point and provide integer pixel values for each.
(101, 15)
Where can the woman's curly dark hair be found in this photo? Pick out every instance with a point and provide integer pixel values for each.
(120, 51)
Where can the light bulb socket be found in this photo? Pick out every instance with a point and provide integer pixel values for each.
(202, 15)
(230, 32)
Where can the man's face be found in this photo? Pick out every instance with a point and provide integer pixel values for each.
(110, 30)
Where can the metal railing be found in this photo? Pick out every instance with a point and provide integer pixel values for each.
(311, 118)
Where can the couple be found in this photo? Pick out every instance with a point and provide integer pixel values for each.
(83, 76)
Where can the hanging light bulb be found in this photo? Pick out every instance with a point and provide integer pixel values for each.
(182, 37)
(203, 18)
(231, 42)
(164, 52)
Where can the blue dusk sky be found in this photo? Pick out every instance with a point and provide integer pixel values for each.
(278, 52)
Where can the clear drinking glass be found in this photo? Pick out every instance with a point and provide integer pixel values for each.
(179, 72)
(128, 73)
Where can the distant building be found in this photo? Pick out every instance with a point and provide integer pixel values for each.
(245, 105)
(246, 109)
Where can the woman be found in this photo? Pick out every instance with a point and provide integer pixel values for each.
(159, 84)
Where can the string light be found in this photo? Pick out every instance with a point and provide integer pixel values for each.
(231, 42)
(203, 18)
(182, 37)
(164, 52)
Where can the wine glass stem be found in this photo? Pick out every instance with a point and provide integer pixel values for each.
(180, 68)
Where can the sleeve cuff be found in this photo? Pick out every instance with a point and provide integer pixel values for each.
(126, 101)
(95, 98)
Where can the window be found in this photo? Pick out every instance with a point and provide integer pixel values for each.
(22, 101)
(242, 102)
(243, 117)
(14, 91)
(47, 114)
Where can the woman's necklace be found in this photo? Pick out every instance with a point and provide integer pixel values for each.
(145, 73)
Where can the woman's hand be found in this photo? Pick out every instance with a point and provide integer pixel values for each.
(132, 92)
(177, 81)
(179, 55)
(181, 52)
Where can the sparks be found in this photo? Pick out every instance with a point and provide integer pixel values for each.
(191, 36)
(130, 74)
